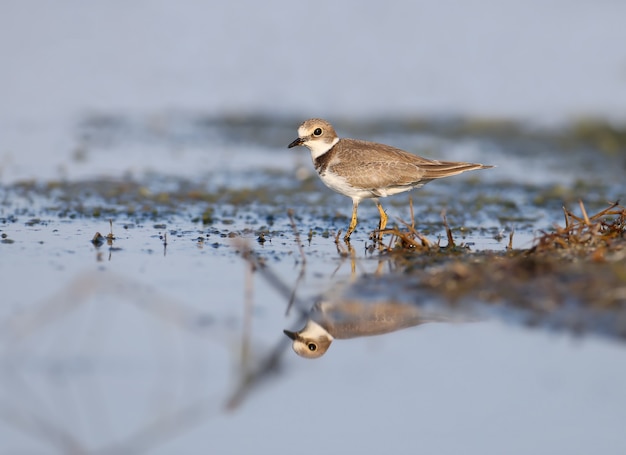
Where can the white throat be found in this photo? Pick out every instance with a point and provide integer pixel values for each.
(312, 330)
(318, 146)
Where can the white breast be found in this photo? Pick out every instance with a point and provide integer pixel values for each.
(319, 146)
(340, 185)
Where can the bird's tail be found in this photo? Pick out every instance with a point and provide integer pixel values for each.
(438, 169)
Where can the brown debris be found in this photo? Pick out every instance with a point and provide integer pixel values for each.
(593, 237)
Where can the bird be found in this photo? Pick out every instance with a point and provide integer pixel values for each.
(369, 170)
(342, 318)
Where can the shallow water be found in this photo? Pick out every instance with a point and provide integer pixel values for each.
(163, 341)
(171, 134)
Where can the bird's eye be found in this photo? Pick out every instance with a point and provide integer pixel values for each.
(312, 346)
(317, 132)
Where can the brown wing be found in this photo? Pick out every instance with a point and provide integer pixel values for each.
(372, 165)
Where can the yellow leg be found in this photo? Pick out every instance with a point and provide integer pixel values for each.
(383, 217)
(355, 205)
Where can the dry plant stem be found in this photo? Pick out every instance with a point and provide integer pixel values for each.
(391, 242)
(404, 237)
(589, 234)
(584, 212)
(342, 255)
(510, 245)
(567, 225)
(609, 211)
(267, 365)
(413, 231)
(451, 243)
(297, 235)
(110, 237)
(292, 297)
(259, 267)
(247, 316)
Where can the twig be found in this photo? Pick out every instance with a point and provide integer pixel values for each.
(297, 234)
(247, 315)
(414, 232)
(448, 230)
(510, 245)
(292, 297)
(582, 208)
(259, 267)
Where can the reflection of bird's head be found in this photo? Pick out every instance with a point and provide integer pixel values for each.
(310, 342)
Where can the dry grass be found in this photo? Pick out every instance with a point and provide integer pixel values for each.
(580, 265)
(601, 236)
(594, 236)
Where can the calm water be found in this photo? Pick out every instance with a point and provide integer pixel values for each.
(146, 348)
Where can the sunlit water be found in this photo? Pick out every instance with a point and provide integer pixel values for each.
(143, 346)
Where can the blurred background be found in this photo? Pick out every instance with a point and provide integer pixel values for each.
(532, 61)
(191, 90)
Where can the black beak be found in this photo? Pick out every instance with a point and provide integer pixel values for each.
(292, 335)
(295, 143)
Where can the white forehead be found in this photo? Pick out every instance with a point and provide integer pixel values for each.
(303, 131)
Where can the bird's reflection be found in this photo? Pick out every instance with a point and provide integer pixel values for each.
(353, 318)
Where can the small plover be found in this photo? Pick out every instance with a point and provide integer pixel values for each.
(368, 170)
